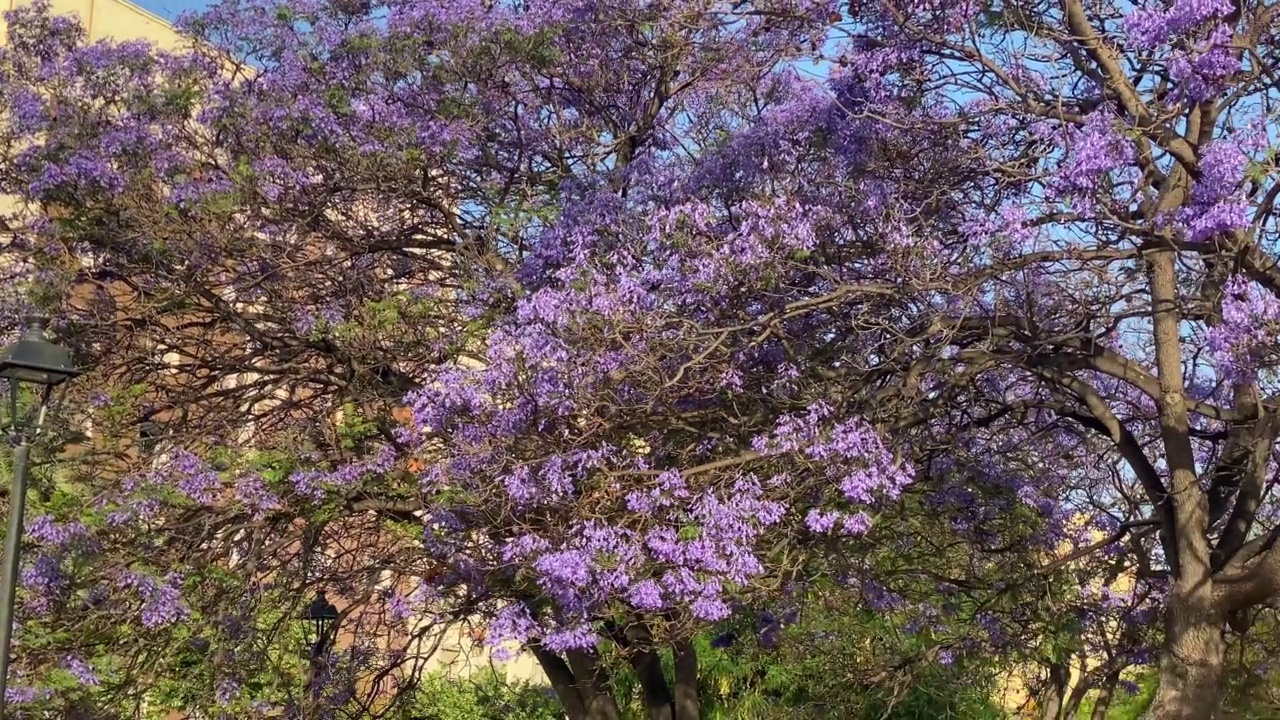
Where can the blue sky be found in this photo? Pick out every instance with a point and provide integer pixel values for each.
(170, 9)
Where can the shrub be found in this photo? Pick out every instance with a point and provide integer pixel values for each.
(488, 696)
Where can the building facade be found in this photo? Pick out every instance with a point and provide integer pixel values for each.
(112, 19)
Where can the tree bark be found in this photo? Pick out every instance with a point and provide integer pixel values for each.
(658, 702)
(636, 640)
(1105, 692)
(592, 685)
(1082, 687)
(562, 680)
(686, 661)
(1191, 665)
(1054, 692)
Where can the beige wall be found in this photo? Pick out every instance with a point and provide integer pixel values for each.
(103, 19)
(114, 19)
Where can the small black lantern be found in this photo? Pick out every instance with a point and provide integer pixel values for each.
(149, 434)
(37, 363)
(321, 614)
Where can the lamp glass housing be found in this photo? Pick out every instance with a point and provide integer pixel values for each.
(33, 365)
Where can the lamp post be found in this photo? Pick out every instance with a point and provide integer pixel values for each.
(320, 616)
(35, 363)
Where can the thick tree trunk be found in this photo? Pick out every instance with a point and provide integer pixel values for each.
(562, 680)
(1054, 692)
(1050, 704)
(686, 662)
(1105, 692)
(1078, 692)
(635, 638)
(597, 698)
(658, 702)
(1190, 669)
(1192, 660)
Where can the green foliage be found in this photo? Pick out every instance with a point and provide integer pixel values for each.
(1133, 707)
(487, 697)
(356, 427)
(937, 695)
(1123, 705)
(193, 674)
(810, 674)
(1253, 678)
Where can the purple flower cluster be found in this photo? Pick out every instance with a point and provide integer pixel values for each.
(1155, 24)
(689, 556)
(856, 458)
(81, 671)
(1093, 153)
(1204, 72)
(162, 602)
(46, 583)
(1244, 342)
(26, 694)
(48, 532)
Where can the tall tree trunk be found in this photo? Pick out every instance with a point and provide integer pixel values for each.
(658, 702)
(562, 680)
(1105, 692)
(1054, 692)
(593, 686)
(1192, 660)
(1082, 687)
(636, 640)
(1191, 665)
(686, 662)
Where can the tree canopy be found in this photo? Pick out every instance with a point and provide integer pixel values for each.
(605, 321)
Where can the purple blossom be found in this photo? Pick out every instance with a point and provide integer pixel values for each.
(1093, 152)
(162, 602)
(646, 595)
(576, 637)
(81, 670)
(48, 532)
(1152, 25)
(710, 609)
(1203, 73)
(822, 521)
(1250, 320)
(25, 694)
(46, 583)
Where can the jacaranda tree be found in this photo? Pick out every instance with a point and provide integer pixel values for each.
(320, 208)
(1120, 269)
(685, 300)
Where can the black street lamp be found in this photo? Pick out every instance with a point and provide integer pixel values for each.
(320, 617)
(31, 363)
(320, 614)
